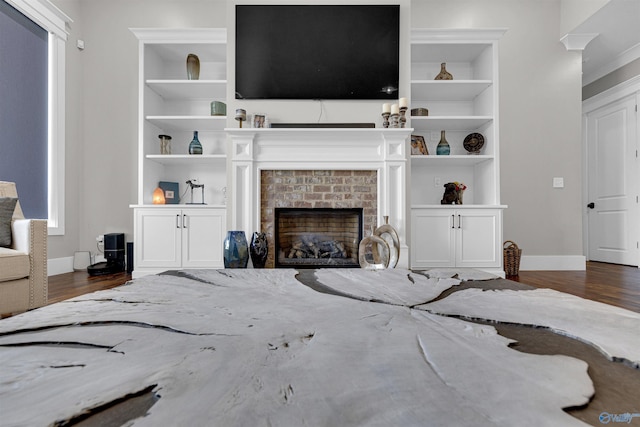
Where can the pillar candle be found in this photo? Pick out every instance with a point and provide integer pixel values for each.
(403, 102)
(395, 109)
(386, 108)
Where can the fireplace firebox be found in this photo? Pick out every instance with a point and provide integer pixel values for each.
(317, 237)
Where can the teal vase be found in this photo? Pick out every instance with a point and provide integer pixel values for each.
(443, 148)
(195, 147)
(235, 250)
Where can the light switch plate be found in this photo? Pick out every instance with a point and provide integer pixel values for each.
(558, 182)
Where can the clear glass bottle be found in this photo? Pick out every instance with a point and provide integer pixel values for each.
(195, 147)
(443, 148)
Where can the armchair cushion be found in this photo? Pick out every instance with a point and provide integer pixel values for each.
(7, 206)
(13, 265)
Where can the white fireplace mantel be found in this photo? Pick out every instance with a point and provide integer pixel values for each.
(380, 149)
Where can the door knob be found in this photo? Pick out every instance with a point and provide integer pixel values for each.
(591, 205)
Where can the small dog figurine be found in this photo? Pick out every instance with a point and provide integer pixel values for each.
(452, 194)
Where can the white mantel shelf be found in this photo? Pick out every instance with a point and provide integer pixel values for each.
(314, 145)
(380, 149)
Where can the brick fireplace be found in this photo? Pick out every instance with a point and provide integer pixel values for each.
(317, 190)
(317, 237)
(318, 168)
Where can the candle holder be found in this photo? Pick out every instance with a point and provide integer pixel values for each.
(385, 120)
(403, 117)
(394, 120)
(241, 116)
(165, 144)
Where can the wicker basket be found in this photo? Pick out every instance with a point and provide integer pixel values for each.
(511, 258)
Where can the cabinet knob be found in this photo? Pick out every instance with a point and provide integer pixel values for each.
(591, 205)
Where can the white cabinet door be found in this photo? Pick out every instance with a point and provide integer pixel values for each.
(157, 238)
(202, 238)
(456, 238)
(432, 238)
(478, 241)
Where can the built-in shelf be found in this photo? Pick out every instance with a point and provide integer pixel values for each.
(447, 90)
(189, 123)
(453, 160)
(189, 89)
(181, 206)
(186, 159)
(437, 123)
(441, 206)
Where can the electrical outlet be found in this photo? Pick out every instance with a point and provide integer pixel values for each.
(100, 238)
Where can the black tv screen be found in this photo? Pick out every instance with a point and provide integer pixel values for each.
(317, 51)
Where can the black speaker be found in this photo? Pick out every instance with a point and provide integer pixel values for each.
(129, 257)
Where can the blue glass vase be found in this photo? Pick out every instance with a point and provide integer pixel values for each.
(195, 147)
(236, 250)
(443, 148)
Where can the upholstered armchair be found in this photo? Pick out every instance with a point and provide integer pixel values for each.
(23, 256)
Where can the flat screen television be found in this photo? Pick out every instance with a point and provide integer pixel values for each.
(317, 51)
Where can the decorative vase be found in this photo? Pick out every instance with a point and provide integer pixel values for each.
(373, 253)
(444, 74)
(195, 147)
(389, 235)
(258, 249)
(193, 67)
(236, 250)
(443, 148)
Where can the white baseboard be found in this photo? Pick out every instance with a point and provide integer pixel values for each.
(59, 265)
(551, 262)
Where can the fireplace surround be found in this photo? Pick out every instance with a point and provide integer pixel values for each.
(379, 151)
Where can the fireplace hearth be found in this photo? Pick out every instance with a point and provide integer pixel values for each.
(316, 238)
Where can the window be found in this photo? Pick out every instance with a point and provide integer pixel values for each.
(53, 22)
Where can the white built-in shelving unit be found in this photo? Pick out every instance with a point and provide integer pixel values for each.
(468, 235)
(180, 235)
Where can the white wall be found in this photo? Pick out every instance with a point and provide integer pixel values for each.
(540, 106)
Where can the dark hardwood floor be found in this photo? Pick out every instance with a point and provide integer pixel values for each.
(69, 285)
(613, 284)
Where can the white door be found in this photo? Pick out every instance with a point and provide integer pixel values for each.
(478, 241)
(202, 238)
(432, 238)
(612, 174)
